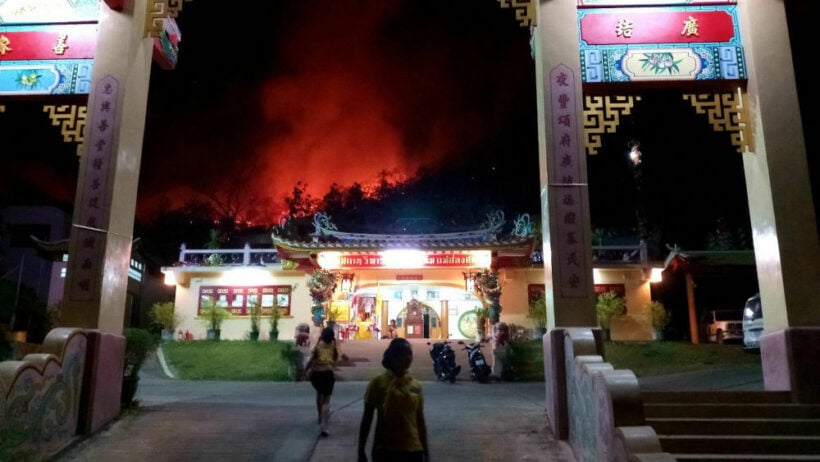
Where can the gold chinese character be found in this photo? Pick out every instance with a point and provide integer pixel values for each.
(61, 45)
(4, 44)
(624, 28)
(690, 27)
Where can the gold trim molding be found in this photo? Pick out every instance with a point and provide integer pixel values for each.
(526, 11)
(727, 113)
(71, 119)
(156, 11)
(602, 114)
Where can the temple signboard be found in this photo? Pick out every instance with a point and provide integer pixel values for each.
(664, 43)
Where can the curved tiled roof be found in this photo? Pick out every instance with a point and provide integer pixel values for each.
(405, 242)
(513, 250)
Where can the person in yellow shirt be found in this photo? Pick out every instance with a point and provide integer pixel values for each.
(363, 328)
(398, 403)
(320, 366)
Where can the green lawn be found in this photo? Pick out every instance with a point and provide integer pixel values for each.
(267, 361)
(657, 358)
(242, 360)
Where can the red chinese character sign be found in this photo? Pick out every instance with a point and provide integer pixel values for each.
(566, 186)
(660, 44)
(46, 59)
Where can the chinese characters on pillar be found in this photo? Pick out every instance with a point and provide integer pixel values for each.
(567, 187)
(92, 216)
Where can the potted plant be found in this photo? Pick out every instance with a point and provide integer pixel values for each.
(214, 259)
(254, 315)
(608, 306)
(660, 317)
(164, 315)
(537, 312)
(138, 345)
(275, 316)
(213, 315)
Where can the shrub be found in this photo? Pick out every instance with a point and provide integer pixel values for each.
(609, 305)
(214, 315)
(165, 316)
(255, 315)
(538, 312)
(660, 317)
(138, 345)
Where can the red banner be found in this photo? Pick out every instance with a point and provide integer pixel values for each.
(52, 42)
(644, 26)
(450, 260)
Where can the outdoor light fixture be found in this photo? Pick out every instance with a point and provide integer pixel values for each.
(347, 282)
(170, 278)
(635, 153)
(329, 260)
(403, 258)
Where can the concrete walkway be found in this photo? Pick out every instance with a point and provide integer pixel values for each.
(182, 420)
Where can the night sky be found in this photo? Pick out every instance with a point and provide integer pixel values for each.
(329, 91)
(323, 92)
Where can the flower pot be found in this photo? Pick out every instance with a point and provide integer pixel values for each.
(213, 334)
(318, 315)
(538, 332)
(254, 335)
(494, 312)
(167, 335)
(274, 335)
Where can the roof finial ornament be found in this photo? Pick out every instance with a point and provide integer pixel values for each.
(523, 226)
(321, 222)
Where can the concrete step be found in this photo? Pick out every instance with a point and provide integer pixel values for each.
(744, 457)
(748, 410)
(734, 425)
(366, 357)
(729, 426)
(741, 444)
(720, 397)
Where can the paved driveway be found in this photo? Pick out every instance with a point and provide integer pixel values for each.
(276, 421)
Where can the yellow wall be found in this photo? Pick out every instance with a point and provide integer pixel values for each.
(635, 325)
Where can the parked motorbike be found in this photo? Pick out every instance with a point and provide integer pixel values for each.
(479, 369)
(444, 361)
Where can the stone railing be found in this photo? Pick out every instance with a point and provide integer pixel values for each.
(597, 408)
(72, 386)
(245, 256)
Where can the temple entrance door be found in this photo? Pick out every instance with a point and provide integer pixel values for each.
(426, 317)
(414, 320)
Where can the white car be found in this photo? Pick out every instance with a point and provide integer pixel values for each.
(752, 323)
(722, 325)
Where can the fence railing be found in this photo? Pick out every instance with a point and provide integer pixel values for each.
(245, 256)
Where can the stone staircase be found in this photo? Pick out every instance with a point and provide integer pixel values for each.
(366, 357)
(734, 425)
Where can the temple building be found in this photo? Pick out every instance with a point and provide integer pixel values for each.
(425, 282)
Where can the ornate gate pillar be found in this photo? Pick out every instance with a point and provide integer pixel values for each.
(104, 205)
(563, 172)
(565, 218)
(784, 229)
